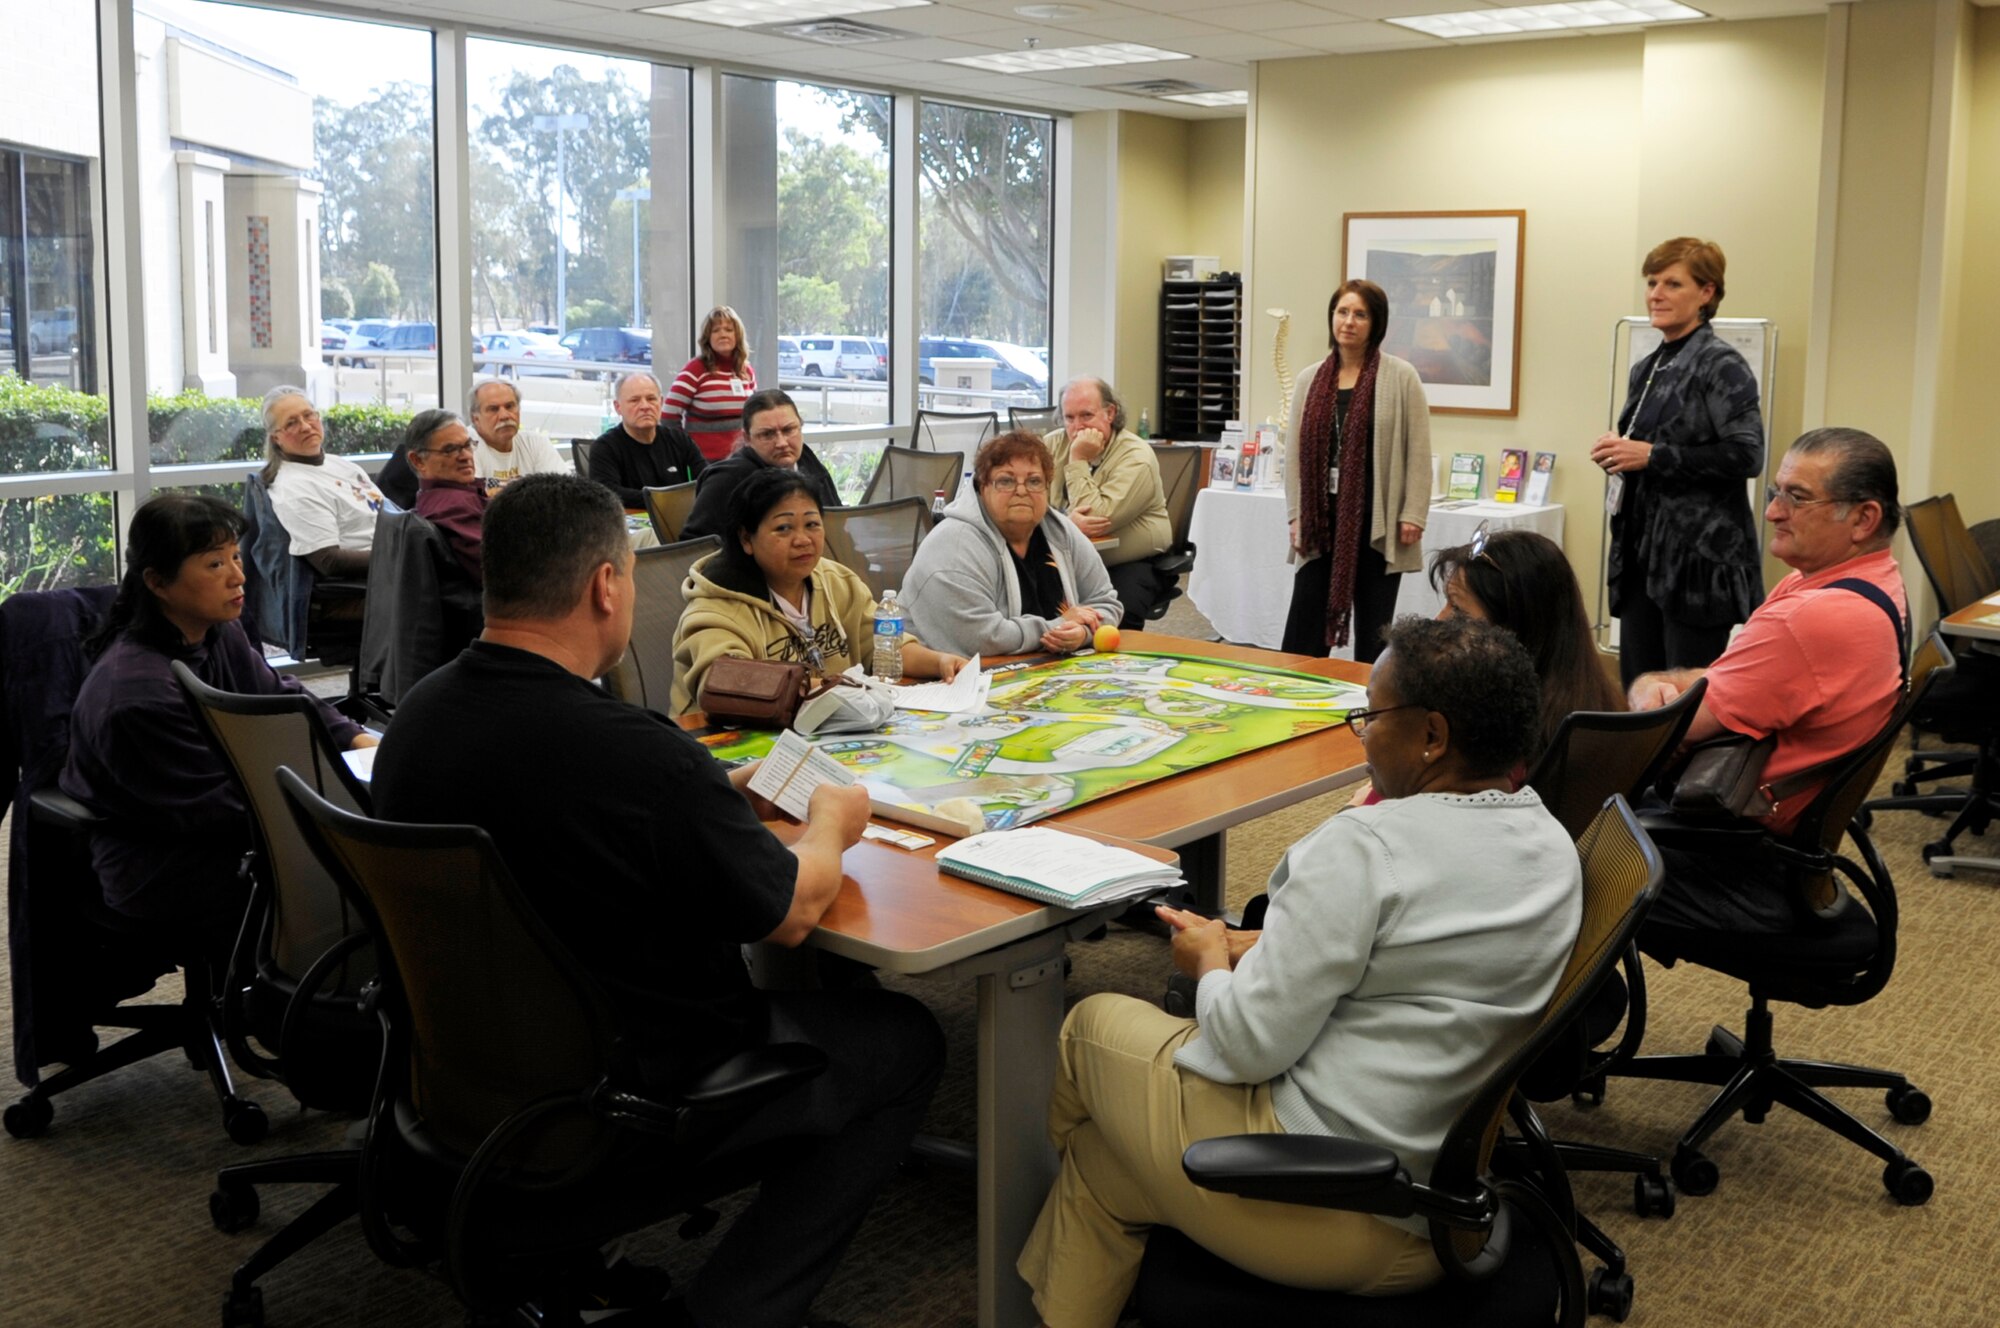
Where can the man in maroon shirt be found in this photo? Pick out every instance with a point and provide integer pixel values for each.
(449, 494)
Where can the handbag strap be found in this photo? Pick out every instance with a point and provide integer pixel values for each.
(1778, 790)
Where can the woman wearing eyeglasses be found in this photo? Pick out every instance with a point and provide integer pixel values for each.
(772, 436)
(707, 395)
(1408, 951)
(327, 504)
(1357, 481)
(1003, 573)
(1684, 567)
(770, 593)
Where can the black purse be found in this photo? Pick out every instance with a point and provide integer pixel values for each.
(1723, 780)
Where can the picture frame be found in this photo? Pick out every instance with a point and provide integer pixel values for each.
(1454, 286)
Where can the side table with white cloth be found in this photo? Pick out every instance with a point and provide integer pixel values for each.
(1243, 585)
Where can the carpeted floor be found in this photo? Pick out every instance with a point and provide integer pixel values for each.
(106, 1217)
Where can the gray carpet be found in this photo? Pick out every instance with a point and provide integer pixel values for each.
(106, 1220)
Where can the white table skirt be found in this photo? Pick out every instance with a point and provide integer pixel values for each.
(1243, 585)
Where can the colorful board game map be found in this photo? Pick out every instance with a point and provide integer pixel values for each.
(1056, 735)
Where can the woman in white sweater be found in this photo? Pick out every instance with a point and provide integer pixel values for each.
(1409, 949)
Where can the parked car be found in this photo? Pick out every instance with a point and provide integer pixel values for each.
(823, 356)
(789, 360)
(546, 329)
(611, 345)
(1015, 369)
(344, 324)
(52, 333)
(881, 357)
(332, 337)
(410, 337)
(524, 345)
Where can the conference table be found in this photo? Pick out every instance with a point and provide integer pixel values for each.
(1977, 621)
(897, 913)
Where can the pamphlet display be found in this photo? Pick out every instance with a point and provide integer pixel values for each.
(1539, 477)
(1468, 472)
(1513, 467)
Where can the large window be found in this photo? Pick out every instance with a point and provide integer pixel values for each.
(289, 205)
(564, 244)
(987, 199)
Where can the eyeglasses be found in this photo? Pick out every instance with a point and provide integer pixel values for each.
(298, 422)
(1777, 497)
(449, 450)
(1007, 483)
(1359, 720)
(787, 432)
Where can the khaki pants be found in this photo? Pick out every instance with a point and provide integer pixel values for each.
(1121, 1115)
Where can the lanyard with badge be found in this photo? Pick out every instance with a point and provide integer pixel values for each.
(1614, 485)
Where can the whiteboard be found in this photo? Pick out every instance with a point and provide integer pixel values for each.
(1752, 338)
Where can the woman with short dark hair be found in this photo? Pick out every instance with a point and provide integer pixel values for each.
(1684, 567)
(1409, 950)
(138, 754)
(1357, 480)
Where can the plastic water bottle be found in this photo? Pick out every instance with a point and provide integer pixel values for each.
(889, 639)
(937, 506)
(1145, 424)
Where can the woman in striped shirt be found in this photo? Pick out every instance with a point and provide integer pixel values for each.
(707, 395)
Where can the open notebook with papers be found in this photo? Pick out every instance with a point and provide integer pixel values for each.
(1054, 867)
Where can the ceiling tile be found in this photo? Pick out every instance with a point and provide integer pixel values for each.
(1341, 38)
(1173, 32)
(1247, 46)
(1402, 8)
(1266, 17)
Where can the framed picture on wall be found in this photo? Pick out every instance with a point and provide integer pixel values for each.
(1454, 286)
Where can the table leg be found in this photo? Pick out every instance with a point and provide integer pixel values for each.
(1020, 1012)
(1204, 862)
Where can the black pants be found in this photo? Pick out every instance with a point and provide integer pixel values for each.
(1138, 588)
(840, 1136)
(1375, 588)
(1649, 640)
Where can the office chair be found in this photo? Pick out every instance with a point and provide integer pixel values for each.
(1503, 1236)
(298, 981)
(668, 509)
(878, 541)
(1843, 953)
(579, 455)
(508, 1136)
(645, 675)
(1180, 480)
(1959, 573)
(1986, 535)
(422, 610)
(907, 473)
(1038, 420)
(1958, 705)
(284, 599)
(73, 960)
(957, 432)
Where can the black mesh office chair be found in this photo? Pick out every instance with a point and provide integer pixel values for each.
(1504, 1238)
(579, 455)
(285, 602)
(878, 541)
(907, 473)
(299, 978)
(423, 609)
(1039, 420)
(74, 962)
(668, 508)
(1842, 953)
(1959, 572)
(956, 432)
(1180, 480)
(508, 1135)
(645, 676)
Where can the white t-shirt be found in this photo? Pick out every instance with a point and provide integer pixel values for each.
(329, 505)
(532, 455)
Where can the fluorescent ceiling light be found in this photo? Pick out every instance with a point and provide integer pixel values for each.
(755, 13)
(1549, 18)
(1237, 98)
(1066, 57)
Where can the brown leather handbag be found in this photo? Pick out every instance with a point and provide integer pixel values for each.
(753, 693)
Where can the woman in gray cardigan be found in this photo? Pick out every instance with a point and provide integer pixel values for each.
(1357, 481)
(1002, 573)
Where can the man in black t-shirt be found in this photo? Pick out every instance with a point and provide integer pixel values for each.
(642, 451)
(648, 863)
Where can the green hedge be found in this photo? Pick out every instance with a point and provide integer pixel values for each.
(67, 539)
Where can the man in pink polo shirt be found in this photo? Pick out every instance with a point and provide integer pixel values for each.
(1818, 664)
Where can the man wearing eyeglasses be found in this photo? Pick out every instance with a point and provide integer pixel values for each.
(1108, 480)
(772, 436)
(1818, 664)
(449, 493)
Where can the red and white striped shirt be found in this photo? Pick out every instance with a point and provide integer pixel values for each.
(710, 402)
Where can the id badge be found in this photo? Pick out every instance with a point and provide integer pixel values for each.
(1614, 494)
(1333, 480)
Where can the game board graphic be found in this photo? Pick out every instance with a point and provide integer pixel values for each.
(1059, 734)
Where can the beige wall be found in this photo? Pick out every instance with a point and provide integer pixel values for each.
(1215, 190)
(1969, 445)
(1152, 223)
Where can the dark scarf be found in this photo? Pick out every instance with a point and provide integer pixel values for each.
(1357, 432)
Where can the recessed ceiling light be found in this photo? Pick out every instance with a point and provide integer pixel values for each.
(1051, 13)
(754, 13)
(1549, 18)
(1066, 57)
(1237, 98)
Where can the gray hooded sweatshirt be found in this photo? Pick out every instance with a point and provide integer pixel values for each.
(961, 594)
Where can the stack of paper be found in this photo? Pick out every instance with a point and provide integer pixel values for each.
(1054, 867)
(965, 692)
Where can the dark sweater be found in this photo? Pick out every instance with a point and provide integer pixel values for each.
(719, 482)
(625, 465)
(459, 510)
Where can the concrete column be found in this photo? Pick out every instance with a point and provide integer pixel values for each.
(204, 274)
(272, 225)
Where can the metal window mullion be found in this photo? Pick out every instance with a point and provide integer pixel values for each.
(905, 255)
(453, 211)
(121, 338)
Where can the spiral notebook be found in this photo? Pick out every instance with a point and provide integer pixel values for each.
(1049, 865)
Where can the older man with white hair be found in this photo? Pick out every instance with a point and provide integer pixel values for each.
(642, 451)
(1108, 480)
(501, 449)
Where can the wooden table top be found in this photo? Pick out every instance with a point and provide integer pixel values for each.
(1970, 620)
(897, 911)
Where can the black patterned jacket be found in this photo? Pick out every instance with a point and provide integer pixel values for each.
(1685, 519)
